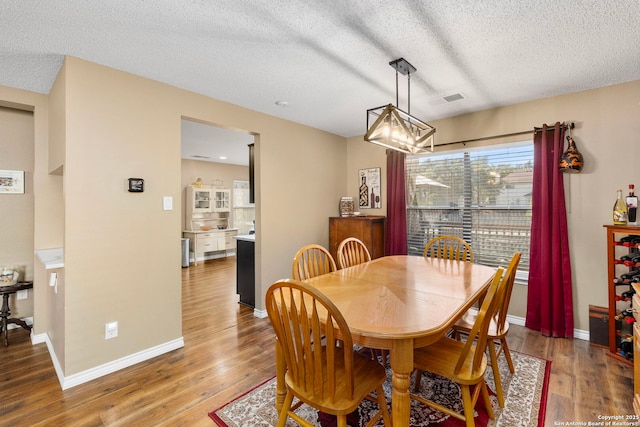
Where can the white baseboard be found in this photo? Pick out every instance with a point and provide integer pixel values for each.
(577, 333)
(110, 367)
(260, 314)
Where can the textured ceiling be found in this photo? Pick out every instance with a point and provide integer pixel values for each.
(329, 59)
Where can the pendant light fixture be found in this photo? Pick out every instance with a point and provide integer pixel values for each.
(571, 160)
(396, 129)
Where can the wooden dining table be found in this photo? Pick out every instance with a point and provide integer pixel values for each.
(399, 303)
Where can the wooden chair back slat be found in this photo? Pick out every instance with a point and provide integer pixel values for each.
(352, 251)
(448, 247)
(311, 261)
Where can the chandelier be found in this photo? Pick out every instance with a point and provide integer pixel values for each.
(396, 129)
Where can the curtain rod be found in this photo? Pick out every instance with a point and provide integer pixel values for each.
(504, 135)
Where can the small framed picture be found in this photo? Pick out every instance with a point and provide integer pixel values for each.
(369, 191)
(136, 185)
(11, 182)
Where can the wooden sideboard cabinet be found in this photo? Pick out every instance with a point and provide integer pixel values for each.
(369, 229)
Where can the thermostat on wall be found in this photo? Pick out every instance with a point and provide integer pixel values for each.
(136, 185)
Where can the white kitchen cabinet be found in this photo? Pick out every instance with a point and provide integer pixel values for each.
(221, 201)
(204, 242)
(199, 200)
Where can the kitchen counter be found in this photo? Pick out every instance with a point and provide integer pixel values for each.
(51, 258)
(246, 237)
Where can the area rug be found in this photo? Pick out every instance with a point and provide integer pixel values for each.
(525, 401)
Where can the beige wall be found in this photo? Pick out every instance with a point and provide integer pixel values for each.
(607, 134)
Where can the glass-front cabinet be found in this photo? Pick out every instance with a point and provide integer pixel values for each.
(201, 198)
(221, 201)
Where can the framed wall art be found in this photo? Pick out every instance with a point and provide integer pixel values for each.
(369, 194)
(11, 182)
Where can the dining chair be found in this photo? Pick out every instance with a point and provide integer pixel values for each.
(330, 378)
(464, 363)
(498, 327)
(352, 251)
(448, 247)
(311, 261)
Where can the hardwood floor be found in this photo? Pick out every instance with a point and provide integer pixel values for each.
(227, 351)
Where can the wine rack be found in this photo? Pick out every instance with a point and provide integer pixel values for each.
(636, 351)
(623, 243)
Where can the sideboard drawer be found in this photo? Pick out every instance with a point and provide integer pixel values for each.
(207, 244)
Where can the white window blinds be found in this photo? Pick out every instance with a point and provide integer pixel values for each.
(482, 195)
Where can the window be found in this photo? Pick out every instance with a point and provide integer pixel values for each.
(482, 195)
(244, 213)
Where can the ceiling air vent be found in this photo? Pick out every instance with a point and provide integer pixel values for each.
(197, 156)
(454, 97)
(446, 99)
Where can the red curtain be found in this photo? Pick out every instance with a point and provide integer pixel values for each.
(550, 301)
(396, 239)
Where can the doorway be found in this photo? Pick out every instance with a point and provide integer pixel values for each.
(217, 157)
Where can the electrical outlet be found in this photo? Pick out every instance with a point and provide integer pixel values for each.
(23, 294)
(110, 330)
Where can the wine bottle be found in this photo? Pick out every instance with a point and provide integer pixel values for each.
(364, 192)
(624, 313)
(632, 205)
(620, 210)
(630, 256)
(628, 238)
(633, 242)
(625, 296)
(630, 275)
(626, 316)
(630, 260)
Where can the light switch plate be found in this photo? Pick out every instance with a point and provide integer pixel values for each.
(53, 279)
(167, 203)
(23, 294)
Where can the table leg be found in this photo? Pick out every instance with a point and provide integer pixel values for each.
(402, 367)
(281, 369)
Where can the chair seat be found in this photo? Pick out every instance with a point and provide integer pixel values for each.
(441, 358)
(370, 374)
(466, 323)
